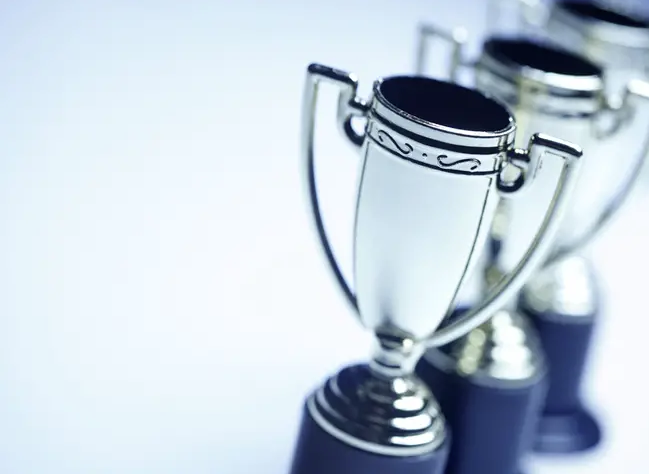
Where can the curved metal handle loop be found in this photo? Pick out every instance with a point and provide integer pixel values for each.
(528, 12)
(349, 132)
(534, 12)
(505, 290)
(636, 90)
(521, 161)
(457, 37)
(348, 106)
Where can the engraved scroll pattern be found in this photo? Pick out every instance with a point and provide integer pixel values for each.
(475, 163)
(441, 160)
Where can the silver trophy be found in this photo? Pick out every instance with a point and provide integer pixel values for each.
(558, 92)
(616, 38)
(607, 32)
(436, 159)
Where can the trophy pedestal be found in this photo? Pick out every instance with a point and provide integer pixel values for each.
(324, 449)
(570, 433)
(318, 452)
(566, 426)
(493, 421)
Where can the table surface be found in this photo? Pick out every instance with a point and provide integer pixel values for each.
(164, 305)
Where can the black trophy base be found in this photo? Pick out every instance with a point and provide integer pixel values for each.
(318, 452)
(566, 426)
(492, 424)
(567, 433)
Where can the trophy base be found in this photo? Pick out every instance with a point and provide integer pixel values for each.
(318, 452)
(351, 425)
(567, 433)
(563, 307)
(493, 420)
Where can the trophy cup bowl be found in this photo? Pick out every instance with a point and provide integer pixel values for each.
(426, 144)
(561, 93)
(614, 38)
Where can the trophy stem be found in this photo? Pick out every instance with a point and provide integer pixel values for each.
(394, 356)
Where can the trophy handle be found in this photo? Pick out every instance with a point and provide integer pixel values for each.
(531, 12)
(349, 106)
(636, 94)
(457, 38)
(507, 287)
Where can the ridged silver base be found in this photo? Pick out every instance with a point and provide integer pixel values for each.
(567, 288)
(388, 416)
(504, 352)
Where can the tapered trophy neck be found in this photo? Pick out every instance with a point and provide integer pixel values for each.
(394, 355)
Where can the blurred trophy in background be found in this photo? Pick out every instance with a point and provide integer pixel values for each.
(436, 159)
(500, 366)
(490, 385)
(564, 300)
(613, 34)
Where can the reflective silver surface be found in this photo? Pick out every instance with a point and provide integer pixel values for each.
(616, 39)
(575, 108)
(503, 352)
(400, 212)
(567, 288)
(550, 89)
(380, 411)
(426, 144)
(618, 42)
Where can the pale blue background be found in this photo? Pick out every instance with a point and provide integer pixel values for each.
(163, 305)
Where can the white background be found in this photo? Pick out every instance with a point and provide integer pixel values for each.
(163, 304)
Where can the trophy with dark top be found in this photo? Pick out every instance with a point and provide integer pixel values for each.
(564, 301)
(436, 159)
(561, 93)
